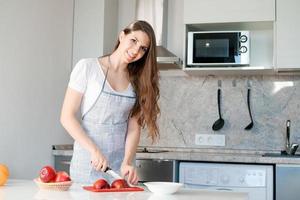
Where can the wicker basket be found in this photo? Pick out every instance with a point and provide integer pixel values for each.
(59, 186)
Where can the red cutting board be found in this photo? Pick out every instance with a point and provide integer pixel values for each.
(130, 189)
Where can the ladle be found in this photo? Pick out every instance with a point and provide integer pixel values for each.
(220, 122)
(249, 126)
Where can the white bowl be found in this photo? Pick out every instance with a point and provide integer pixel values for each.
(163, 187)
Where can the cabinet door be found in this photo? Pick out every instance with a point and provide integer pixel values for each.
(215, 11)
(287, 34)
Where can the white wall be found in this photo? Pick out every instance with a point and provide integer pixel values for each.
(110, 27)
(126, 13)
(95, 28)
(35, 62)
(88, 29)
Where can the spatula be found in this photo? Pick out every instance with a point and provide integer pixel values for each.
(220, 122)
(250, 125)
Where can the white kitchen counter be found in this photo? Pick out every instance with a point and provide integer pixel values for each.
(27, 189)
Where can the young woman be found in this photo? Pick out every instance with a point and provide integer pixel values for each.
(117, 95)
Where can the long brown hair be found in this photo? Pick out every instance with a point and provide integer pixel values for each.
(144, 79)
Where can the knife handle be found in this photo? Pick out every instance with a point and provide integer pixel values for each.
(107, 168)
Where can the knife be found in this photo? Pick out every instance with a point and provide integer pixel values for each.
(111, 172)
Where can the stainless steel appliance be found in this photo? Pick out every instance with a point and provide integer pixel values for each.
(165, 56)
(166, 60)
(256, 180)
(147, 169)
(214, 48)
(62, 156)
(156, 170)
(287, 182)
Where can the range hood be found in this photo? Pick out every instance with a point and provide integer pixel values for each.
(156, 13)
(166, 59)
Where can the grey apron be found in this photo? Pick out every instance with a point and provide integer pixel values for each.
(106, 124)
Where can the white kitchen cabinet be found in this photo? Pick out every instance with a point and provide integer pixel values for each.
(287, 35)
(217, 11)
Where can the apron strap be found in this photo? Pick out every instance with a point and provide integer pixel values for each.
(105, 78)
(103, 84)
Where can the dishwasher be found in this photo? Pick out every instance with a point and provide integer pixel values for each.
(254, 179)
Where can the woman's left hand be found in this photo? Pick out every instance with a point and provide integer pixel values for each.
(130, 172)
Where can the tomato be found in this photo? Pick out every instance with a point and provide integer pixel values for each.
(62, 176)
(119, 183)
(101, 184)
(47, 174)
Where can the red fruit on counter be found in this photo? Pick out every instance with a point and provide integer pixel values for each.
(62, 176)
(47, 174)
(101, 184)
(119, 183)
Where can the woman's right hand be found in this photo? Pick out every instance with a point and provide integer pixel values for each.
(98, 161)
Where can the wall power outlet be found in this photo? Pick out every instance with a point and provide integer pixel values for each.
(210, 139)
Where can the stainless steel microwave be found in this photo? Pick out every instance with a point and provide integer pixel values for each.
(214, 48)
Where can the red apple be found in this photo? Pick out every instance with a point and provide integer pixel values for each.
(119, 183)
(47, 174)
(62, 176)
(101, 184)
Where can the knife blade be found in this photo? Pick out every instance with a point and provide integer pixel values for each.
(111, 172)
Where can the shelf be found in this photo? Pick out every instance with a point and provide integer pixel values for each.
(249, 70)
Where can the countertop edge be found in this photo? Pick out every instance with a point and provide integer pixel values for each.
(206, 155)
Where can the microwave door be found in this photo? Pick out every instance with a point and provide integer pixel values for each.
(215, 48)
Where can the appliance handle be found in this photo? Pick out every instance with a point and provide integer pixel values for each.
(65, 162)
(224, 189)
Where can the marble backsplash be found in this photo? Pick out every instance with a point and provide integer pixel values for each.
(189, 107)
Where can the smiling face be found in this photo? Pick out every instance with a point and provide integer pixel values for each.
(133, 45)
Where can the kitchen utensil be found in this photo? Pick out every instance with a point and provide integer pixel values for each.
(220, 122)
(163, 187)
(249, 126)
(288, 125)
(294, 148)
(109, 171)
(130, 189)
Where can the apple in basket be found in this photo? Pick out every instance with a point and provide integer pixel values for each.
(47, 174)
(119, 183)
(62, 176)
(101, 184)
